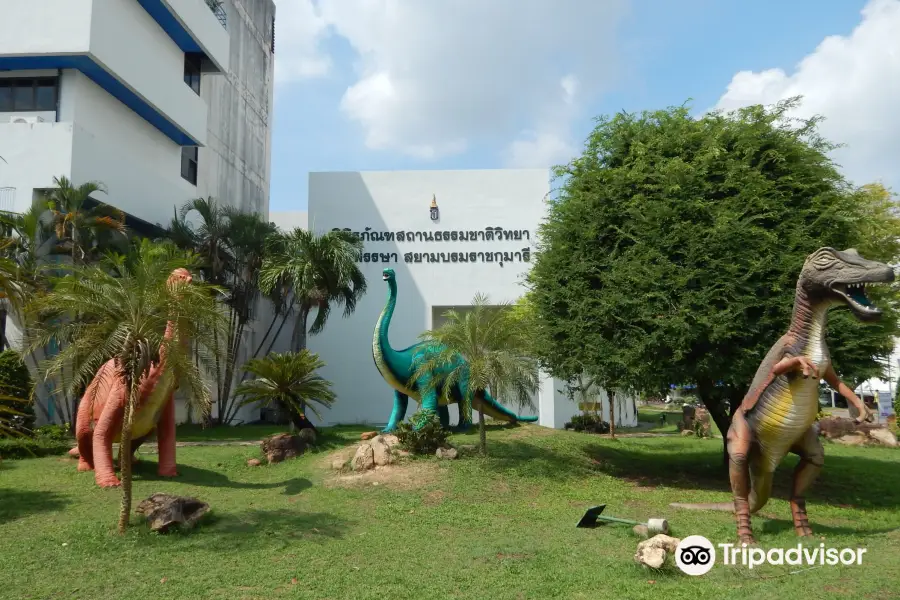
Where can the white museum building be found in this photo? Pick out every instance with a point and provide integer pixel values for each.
(162, 101)
(448, 235)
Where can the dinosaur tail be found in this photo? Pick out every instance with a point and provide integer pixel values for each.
(720, 506)
(495, 410)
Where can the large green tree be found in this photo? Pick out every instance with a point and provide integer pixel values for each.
(672, 251)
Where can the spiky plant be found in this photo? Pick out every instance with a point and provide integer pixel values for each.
(291, 380)
(120, 311)
(78, 226)
(494, 346)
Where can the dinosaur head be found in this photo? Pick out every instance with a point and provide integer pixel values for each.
(180, 275)
(388, 275)
(841, 277)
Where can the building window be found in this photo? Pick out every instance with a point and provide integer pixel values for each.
(192, 71)
(28, 94)
(189, 163)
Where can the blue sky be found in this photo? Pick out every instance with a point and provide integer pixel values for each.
(418, 86)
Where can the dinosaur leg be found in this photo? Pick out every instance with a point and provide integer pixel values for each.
(739, 440)
(444, 415)
(108, 425)
(165, 439)
(812, 457)
(465, 415)
(429, 401)
(84, 436)
(401, 402)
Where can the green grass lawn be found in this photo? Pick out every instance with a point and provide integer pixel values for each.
(497, 528)
(649, 419)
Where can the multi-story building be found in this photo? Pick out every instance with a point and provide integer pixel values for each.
(160, 100)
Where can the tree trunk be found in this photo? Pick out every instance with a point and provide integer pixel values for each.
(718, 412)
(125, 455)
(611, 394)
(482, 434)
(298, 341)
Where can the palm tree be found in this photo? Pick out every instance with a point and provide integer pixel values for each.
(288, 380)
(233, 245)
(78, 227)
(494, 345)
(120, 311)
(319, 270)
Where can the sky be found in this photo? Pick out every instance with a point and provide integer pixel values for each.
(479, 84)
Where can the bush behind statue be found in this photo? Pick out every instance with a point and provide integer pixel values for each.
(589, 423)
(425, 440)
(15, 381)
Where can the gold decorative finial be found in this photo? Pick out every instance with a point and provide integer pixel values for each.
(433, 201)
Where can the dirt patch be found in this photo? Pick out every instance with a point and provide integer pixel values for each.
(406, 475)
(513, 556)
(640, 483)
(434, 498)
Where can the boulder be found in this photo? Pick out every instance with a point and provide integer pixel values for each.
(449, 453)
(857, 438)
(162, 511)
(884, 436)
(254, 462)
(283, 446)
(381, 452)
(364, 459)
(653, 552)
(307, 436)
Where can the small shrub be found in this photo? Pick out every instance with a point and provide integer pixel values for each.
(427, 438)
(588, 423)
(15, 381)
(14, 448)
(58, 433)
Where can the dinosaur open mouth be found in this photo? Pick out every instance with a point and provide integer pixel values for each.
(384, 277)
(856, 297)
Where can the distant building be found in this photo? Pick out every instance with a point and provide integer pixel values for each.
(447, 235)
(161, 100)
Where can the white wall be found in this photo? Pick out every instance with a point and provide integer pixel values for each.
(393, 201)
(34, 154)
(130, 44)
(45, 27)
(120, 36)
(198, 19)
(140, 166)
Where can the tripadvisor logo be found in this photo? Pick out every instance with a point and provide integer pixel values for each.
(696, 555)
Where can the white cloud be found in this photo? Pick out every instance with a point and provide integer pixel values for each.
(854, 82)
(298, 30)
(435, 76)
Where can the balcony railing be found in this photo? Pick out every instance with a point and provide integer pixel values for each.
(217, 7)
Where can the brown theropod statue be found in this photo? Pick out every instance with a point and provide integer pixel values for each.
(778, 414)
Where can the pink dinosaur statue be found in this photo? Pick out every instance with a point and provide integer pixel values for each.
(101, 411)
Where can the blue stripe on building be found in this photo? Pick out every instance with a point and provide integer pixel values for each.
(108, 82)
(171, 25)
